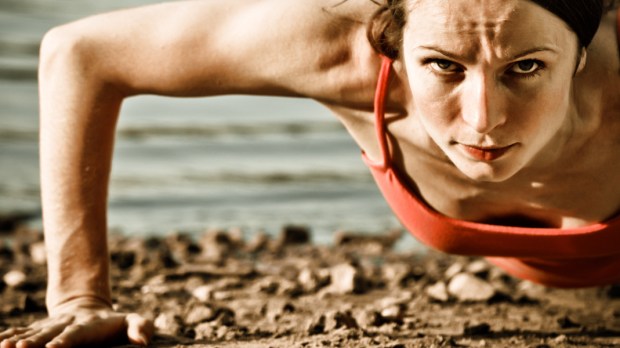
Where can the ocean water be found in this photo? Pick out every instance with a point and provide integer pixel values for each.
(186, 165)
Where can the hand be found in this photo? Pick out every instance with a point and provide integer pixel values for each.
(81, 322)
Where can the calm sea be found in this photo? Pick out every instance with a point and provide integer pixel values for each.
(190, 164)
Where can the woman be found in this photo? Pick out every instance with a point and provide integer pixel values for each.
(496, 126)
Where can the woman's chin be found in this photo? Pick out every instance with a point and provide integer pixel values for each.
(486, 171)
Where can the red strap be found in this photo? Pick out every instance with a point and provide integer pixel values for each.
(380, 94)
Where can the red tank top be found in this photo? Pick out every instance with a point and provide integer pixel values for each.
(577, 257)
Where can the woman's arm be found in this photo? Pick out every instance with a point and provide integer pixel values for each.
(192, 48)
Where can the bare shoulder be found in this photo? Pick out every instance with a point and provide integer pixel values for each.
(598, 86)
(307, 48)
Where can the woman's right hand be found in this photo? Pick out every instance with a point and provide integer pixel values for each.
(78, 323)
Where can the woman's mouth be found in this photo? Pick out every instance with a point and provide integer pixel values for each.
(486, 154)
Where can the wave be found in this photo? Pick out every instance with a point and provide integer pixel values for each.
(247, 178)
(212, 131)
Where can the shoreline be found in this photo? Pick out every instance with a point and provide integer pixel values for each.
(221, 290)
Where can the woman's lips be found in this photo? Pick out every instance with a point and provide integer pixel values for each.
(485, 153)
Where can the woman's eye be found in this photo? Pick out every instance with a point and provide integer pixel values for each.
(526, 66)
(442, 65)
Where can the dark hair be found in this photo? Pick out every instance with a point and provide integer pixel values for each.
(582, 16)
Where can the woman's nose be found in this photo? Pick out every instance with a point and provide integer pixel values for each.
(482, 102)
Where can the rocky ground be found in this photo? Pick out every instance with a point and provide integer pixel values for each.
(223, 291)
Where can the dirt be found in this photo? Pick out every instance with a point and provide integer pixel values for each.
(222, 291)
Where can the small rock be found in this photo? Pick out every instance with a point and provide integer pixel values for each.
(469, 288)
(203, 293)
(14, 278)
(438, 292)
(370, 243)
(289, 288)
(316, 326)
(338, 319)
(291, 235)
(393, 314)
(38, 253)
(368, 318)
(205, 331)
(123, 259)
(225, 316)
(308, 280)
(345, 279)
(478, 329)
(168, 324)
(560, 339)
(479, 268)
(567, 323)
(216, 245)
(200, 314)
(276, 308)
(258, 243)
(267, 285)
(453, 270)
(398, 274)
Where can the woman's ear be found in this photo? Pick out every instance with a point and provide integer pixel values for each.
(581, 63)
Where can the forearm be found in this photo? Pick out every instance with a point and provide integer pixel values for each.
(78, 113)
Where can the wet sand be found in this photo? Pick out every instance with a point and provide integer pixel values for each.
(220, 290)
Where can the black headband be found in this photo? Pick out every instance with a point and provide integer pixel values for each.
(582, 16)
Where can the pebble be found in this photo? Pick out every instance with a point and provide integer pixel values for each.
(438, 292)
(560, 339)
(225, 316)
(345, 279)
(292, 235)
(469, 288)
(258, 243)
(567, 323)
(204, 331)
(38, 253)
(316, 326)
(203, 293)
(276, 308)
(478, 329)
(216, 245)
(200, 314)
(337, 319)
(308, 280)
(168, 324)
(398, 274)
(14, 278)
(393, 314)
(267, 285)
(479, 268)
(368, 318)
(453, 270)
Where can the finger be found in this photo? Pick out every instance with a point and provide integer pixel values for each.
(7, 343)
(139, 329)
(12, 332)
(40, 338)
(14, 340)
(91, 331)
(71, 336)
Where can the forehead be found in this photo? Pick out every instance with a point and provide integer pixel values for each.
(500, 22)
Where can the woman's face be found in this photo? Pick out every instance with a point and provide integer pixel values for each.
(491, 82)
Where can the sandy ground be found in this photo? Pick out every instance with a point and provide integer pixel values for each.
(223, 291)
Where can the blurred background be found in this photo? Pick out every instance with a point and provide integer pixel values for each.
(190, 164)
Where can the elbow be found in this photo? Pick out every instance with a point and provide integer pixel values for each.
(60, 50)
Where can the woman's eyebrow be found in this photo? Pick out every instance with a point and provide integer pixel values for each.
(457, 56)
